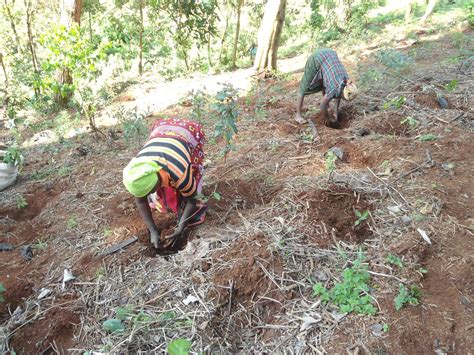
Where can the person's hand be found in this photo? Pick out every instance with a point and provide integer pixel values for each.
(155, 238)
(176, 234)
(300, 119)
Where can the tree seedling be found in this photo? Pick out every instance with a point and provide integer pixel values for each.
(412, 122)
(21, 202)
(362, 216)
(396, 103)
(407, 296)
(394, 260)
(179, 347)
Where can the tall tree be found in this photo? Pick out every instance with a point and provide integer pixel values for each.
(7, 7)
(237, 31)
(31, 42)
(70, 13)
(269, 36)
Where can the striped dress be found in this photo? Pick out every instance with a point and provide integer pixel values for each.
(174, 157)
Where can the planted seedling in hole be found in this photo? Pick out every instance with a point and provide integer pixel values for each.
(21, 202)
(330, 162)
(407, 296)
(362, 216)
(451, 86)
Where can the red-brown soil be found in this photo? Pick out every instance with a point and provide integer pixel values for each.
(335, 208)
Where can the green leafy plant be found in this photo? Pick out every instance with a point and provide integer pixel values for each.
(361, 216)
(330, 163)
(452, 85)
(199, 103)
(227, 115)
(352, 293)
(113, 326)
(133, 124)
(394, 260)
(2, 290)
(40, 245)
(407, 296)
(213, 195)
(412, 122)
(179, 347)
(13, 156)
(72, 223)
(396, 102)
(385, 328)
(428, 137)
(21, 202)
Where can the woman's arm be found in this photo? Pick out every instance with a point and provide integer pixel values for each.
(145, 213)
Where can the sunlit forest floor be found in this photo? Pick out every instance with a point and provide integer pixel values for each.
(282, 222)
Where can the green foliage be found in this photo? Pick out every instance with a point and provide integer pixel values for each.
(451, 86)
(412, 122)
(352, 293)
(227, 115)
(428, 137)
(113, 326)
(407, 296)
(39, 245)
(396, 102)
(200, 105)
(133, 124)
(330, 162)
(21, 202)
(179, 347)
(393, 60)
(2, 290)
(386, 328)
(72, 222)
(361, 216)
(469, 7)
(394, 260)
(13, 156)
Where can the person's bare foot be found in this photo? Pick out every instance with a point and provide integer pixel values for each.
(300, 119)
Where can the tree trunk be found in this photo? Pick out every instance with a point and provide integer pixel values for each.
(31, 44)
(269, 36)
(428, 12)
(140, 63)
(223, 38)
(236, 37)
(70, 13)
(408, 11)
(12, 24)
(4, 69)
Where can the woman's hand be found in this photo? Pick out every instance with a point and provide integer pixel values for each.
(177, 233)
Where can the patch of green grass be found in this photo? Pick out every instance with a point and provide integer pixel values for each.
(352, 293)
(405, 296)
(40, 245)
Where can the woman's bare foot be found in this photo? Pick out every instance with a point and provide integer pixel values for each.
(300, 119)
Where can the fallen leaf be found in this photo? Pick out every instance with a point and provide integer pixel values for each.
(424, 235)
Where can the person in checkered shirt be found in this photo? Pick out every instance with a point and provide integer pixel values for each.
(324, 72)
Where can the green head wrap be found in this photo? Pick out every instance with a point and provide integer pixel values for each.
(140, 176)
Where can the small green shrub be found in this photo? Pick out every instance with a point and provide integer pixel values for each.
(179, 347)
(330, 163)
(396, 102)
(13, 156)
(407, 296)
(361, 216)
(352, 293)
(21, 202)
(227, 115)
